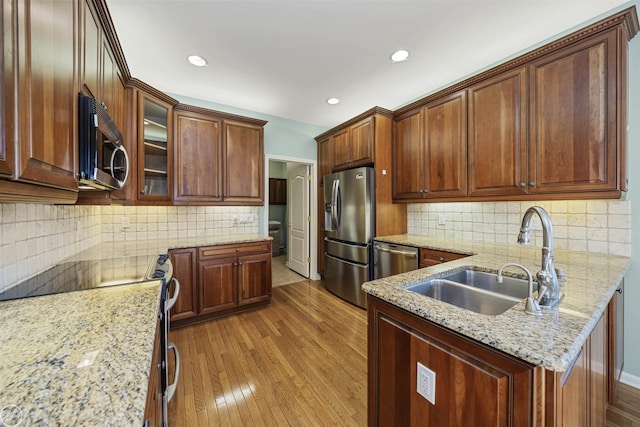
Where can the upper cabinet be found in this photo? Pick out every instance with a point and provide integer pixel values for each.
(551, 123)
(154, 149)
(430, 150)
(325, 157)
(219, 157)
(353, 146)
(573, 110)
(39, 128)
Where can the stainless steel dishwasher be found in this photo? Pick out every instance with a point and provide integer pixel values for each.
(391, 258)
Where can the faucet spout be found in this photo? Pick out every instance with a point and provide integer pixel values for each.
(547, 275)
(532, 305)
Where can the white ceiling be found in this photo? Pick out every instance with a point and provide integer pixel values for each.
(285, 58)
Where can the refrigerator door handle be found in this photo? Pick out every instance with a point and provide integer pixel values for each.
(335, 192)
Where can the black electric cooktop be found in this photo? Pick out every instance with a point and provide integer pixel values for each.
(86, 274)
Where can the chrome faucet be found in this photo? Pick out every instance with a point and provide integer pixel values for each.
(547, 276)
(532, 305)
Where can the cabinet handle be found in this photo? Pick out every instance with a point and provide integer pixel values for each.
(532, 184)
(441, 259)
(235, 264)
(523, 184)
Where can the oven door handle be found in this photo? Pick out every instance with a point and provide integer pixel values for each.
(171, 301)
(171, 389)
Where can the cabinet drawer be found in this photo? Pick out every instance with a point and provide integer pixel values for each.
(430, 257)
(224, 251)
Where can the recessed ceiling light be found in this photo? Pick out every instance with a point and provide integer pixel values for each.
(196, 60)
(333, 101)
(400, 55)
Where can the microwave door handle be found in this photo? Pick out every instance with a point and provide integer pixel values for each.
(335, 194)
(126, 164)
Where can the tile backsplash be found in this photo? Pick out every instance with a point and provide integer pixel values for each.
(34, 237)
(593, 226)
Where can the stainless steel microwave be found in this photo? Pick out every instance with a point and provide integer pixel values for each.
(103, 160)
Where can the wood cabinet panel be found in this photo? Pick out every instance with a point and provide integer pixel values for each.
(155, 149)
(573, 118)
(498, 135)
(91, 47)
(198, 157)
(244, 167)
(225, 251)
(475, 385)
(153, 413)
(598, 375)
(325, 158)
(7, 151)
(445, 138)
(362, 142)
(47, 86)
(254, 278)
(615, 341)
(217, 280)
(408, 156)
(429, 257)
(341, 150)
(277, 191)
(185, 271)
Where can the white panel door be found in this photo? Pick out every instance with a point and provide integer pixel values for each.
(298, 225)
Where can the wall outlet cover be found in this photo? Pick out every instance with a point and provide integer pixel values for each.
(426, 383)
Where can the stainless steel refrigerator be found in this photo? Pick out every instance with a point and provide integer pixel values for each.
(349, 219)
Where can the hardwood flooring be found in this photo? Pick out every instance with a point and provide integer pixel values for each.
(299, 362)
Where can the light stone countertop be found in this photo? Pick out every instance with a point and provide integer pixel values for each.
(552, 340)
(45, 338)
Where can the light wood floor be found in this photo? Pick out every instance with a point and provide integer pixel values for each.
(299, 362)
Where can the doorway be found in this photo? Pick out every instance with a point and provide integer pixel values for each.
(296, 233)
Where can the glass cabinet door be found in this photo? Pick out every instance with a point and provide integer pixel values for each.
(155, 147)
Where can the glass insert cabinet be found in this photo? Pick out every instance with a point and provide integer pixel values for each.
(154, 149)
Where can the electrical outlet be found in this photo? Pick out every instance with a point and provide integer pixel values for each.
(426, 383)
(441, 219)
(126, 222)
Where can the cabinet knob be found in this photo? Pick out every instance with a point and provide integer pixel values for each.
(523, 184)
(441, 259)
(532, 184)
(237, 249)
(619, 290)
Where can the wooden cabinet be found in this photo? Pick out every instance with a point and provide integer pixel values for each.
(155, 149)
(198, 166)
(573, 104)
(325, 158)
(429, 257)
(353, 145)
(185, 271)
(615, 342)
(40, 71)
(277, 191)
(153, 414)
(475, 385)
(430, 150)
(498, 135)
(244, 162)
(221, 280)
(91, 46)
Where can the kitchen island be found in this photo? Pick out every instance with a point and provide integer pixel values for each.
(525, 358)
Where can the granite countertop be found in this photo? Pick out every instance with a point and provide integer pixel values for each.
(552, 340)
(45, 339)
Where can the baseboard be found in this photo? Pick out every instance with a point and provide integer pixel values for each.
(630, 380)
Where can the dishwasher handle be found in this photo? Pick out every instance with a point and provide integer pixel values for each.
(411, 254)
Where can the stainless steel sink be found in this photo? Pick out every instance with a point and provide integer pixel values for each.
(474, 290)
(510, 286)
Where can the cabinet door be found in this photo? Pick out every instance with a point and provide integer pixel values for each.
(498, 135)
(429, 257)
(598, 374)
(109, 76)
(244, 163)
(154, 149)
(47, 91)
(199, 158)
(445, 139)
(409, 180)
(325, 158)
(7, 152)
(90, 50)
(615, 341)
(254, 278)
(341, 150)
(361, 135)
(184, 269)
(573, 118)
(218, 284)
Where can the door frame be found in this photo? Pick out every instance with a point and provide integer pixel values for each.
(313, 205)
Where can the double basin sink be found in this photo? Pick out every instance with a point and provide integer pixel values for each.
(475, 290)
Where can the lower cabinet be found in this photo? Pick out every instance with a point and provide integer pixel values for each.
(429, 257)
(475, 384)
(220, 280)
(153, 408)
